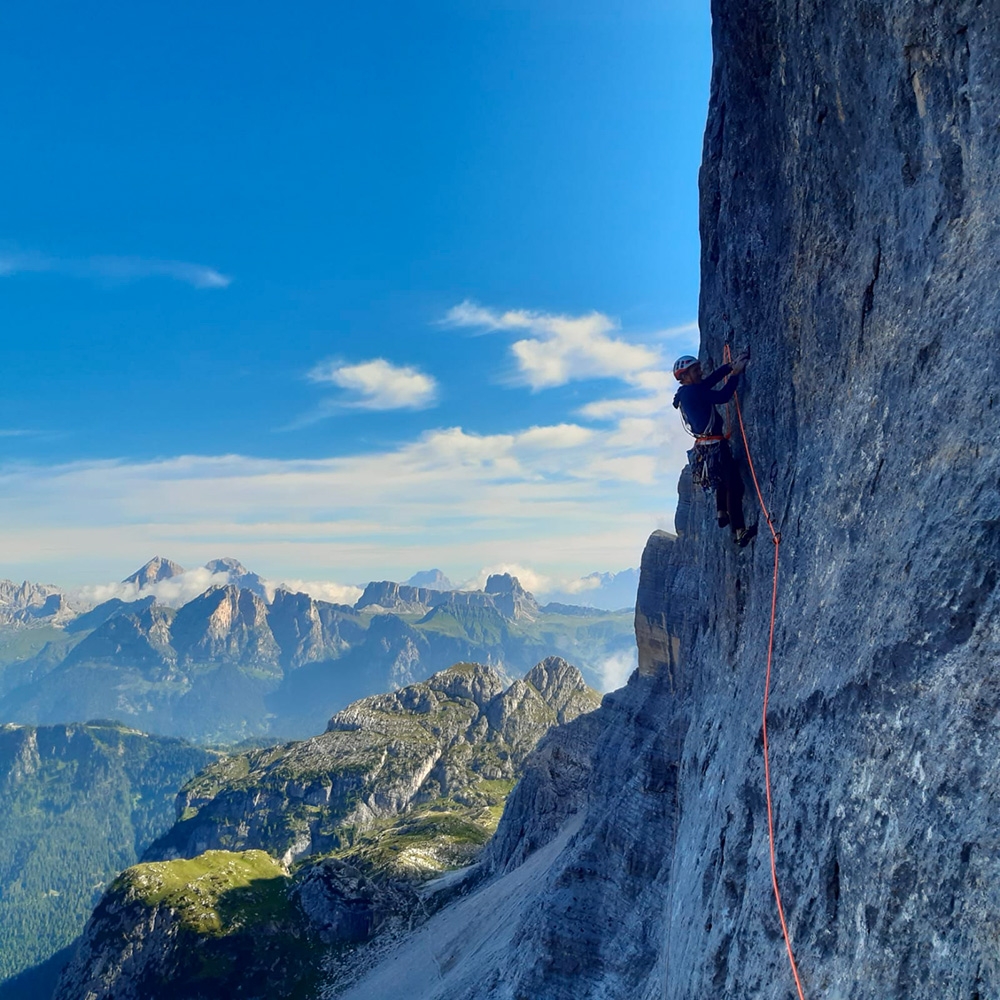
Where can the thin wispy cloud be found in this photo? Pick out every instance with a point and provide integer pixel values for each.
(560, 349)
(110, 268)
(14, 432)
(377, 385)
(557, 496)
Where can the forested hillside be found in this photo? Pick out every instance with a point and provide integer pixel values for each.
(80, 803)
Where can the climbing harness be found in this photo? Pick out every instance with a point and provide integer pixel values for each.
(706, 461)
(776, 538)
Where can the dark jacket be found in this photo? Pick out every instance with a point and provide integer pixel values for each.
(697, 402)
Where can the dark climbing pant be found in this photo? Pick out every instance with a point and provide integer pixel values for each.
(727, 483)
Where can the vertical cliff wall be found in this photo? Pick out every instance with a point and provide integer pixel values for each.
(850, 211)
(849, 228)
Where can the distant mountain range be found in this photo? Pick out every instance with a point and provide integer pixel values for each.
(230, 664)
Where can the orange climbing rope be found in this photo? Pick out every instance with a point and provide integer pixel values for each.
(776, 538)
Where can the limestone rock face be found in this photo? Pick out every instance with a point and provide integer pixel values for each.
(238, 575)
(453, 736)
(25, 603)
(848, 207)
(511, 599)
(503, 593)
(308, 631)
(158, 568)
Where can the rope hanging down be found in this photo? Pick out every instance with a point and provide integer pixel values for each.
(776, 538)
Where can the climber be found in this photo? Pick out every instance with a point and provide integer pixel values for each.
(712, 460)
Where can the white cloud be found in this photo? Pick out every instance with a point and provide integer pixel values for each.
(173, 592)
(112, 268)
(616, 670)
(532, 581)
(319, 590)
(178, 590)
(378, 384)
(562, 496)
(556, 437)
(560, 349)
(684, 335)
(131, 268)
(579, 586)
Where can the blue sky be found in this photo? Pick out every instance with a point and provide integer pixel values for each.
(345, 290)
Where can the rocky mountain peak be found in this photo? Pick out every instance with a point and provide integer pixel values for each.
(158, 568)
(225, 622)
(22, 603)
(474, 681)
(560, 685)
(431, 579)
(385, 595)
(380, 757)
(237, 574)
(510, 598)
(226, 565)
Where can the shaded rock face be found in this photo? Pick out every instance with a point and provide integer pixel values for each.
(342, 905)
(848, 227)
(403, 599)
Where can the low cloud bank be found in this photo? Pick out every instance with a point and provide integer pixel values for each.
(318, 590)
(174, 592)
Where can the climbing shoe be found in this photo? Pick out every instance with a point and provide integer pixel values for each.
(746, 536)
(723, 520)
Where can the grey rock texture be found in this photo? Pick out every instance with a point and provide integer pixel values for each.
(850, 237)
(26, 603)
(238, 575)
(452, 737)
(158, 568)
(343, 905)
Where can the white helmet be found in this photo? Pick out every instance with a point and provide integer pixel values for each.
(682, 364)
